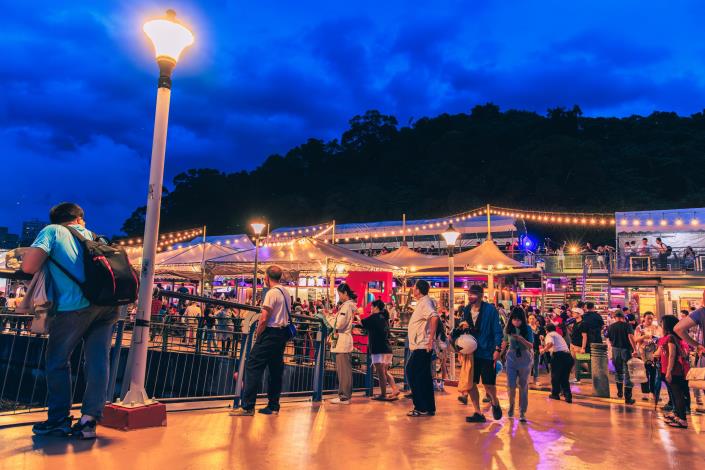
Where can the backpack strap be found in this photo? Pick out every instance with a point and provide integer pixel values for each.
(65, 271)
(81, 239)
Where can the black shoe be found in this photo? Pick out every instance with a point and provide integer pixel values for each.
(554, 397)
(476, 418)
(629, 401)
(569, 399)
(268, 411)
(84, 430)
(496, 412)
(463, 399)
(53, 428)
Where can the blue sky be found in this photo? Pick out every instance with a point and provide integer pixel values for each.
(78, 80)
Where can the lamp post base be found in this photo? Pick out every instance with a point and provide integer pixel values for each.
(128, 418)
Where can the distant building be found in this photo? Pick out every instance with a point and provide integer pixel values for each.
(30, 230)
(8, 240)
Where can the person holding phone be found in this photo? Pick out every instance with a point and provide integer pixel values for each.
(342, 343)
(519, 347)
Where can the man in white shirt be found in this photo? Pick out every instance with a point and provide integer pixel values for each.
(268, 352)
(191, 314)
(561, 364)
(422, 331)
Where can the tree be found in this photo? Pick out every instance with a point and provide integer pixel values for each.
(450, 163)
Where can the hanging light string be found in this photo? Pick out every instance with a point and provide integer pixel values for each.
(277, 239)
(165, 239)
(585, 219)
(594, 219)
(677, 218)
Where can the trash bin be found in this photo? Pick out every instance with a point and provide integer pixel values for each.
(600, 371)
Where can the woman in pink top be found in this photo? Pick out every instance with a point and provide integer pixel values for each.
(674, 368)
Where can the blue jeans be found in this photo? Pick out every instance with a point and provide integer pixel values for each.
(518, 370)
(93, 325)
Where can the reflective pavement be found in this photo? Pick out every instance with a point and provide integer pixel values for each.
(586, 434)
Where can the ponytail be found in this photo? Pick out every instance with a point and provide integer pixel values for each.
(344, 288)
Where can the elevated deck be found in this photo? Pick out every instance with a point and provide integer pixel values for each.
(368, 434)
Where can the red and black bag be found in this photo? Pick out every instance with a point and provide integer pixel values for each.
(110, 280)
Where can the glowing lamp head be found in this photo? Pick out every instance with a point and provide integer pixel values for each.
(257, 228)
(168, 36)
(451, 235)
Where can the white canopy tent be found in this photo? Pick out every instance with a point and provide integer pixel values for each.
(301, 255)
(188, 261)
(410, 260)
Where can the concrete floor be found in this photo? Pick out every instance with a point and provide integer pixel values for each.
(587, 434)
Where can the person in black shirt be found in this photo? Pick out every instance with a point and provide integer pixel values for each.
(377, 326)
(593, 324)
(539, 333)
(578, 339)
(621, 337)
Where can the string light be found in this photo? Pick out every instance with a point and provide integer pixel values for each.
(166, 239)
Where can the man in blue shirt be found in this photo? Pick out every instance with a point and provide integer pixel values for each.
(482, 319)
(73, 319)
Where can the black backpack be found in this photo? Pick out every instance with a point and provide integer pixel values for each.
(110, 279)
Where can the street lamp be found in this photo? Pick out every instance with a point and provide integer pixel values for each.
(451, 236)
(257, 228)
(169, 38)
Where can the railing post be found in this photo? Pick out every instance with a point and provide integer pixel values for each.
(369, 377)
(199, 334)
(407, 352)
(166, 326)
(320, 363)
(115, 358)
(244, 352)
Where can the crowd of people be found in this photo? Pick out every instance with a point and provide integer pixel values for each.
(520, 341)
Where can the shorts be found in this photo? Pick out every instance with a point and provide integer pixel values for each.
(382, 358)
(484, 369)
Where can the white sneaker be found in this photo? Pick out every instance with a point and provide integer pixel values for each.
(338, 401)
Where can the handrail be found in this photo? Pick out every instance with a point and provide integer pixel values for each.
(208, 300)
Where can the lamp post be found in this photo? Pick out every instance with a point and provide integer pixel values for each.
(451, 236)
(169, 38)
(257, 228)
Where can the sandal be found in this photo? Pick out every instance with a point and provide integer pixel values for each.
(417, 413)
(395, 395)
(669, 417)
(379, 398)
(392, 397)
(678, 423)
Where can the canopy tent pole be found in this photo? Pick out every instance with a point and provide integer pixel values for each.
(203, 262)
(490, 287)
(489, 224)
(403, 229)
(296, 285)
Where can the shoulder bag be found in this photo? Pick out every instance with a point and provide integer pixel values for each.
(291, 328)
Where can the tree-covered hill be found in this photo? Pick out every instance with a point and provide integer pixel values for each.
(437, 166)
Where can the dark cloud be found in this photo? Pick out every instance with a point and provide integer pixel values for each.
(77, 105)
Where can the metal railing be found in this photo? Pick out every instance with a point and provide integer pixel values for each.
(188, 359)
(681, 259)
